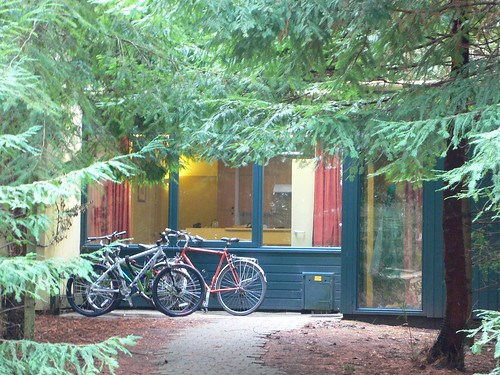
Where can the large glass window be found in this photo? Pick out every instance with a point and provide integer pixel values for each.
(215, 200)
(142, 211)
(390, 268)
(302, 202)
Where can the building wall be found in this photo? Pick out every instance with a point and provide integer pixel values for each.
(67, 248)
(287, 267)
(485, 291)
(285, 270)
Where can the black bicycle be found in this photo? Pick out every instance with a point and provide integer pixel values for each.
(174, 289)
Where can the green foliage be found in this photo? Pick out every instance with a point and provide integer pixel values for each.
(28, 357)
(33, 197)
(75, 69)
(18, 143)
(239, 81)
(486, 241)
(488, 333)
(376, 78)
(481, 173)
(71, 72)
(19, 274)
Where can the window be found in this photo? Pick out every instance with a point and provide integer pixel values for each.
(215, 200)
(390, 268)
(141, 211)
(302, 202)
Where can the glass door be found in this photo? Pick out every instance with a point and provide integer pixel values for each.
(390, 261)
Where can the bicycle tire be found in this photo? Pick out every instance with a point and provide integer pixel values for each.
(178, 290)
(93, 303)
(246, 294)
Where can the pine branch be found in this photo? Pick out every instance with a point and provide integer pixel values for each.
(28, 357)
(450, 5)
(19, 142)
(19, 274)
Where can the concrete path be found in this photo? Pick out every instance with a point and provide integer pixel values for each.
(219, 343)
(222, 344)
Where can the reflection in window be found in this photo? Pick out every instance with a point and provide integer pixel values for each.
(390, 272)
(302, 202)
(215, 201)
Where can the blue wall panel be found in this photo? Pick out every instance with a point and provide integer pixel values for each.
(284, 268)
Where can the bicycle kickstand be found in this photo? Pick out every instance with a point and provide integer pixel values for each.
(205, 302)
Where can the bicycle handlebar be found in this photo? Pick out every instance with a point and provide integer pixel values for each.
(182, 233)
(188, 237)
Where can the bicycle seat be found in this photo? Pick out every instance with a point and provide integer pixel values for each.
(230, 240)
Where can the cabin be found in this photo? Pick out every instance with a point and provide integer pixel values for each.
(328, 239)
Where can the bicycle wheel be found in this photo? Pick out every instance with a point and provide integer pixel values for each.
(91, 298)
(178, 290)
(241, 292)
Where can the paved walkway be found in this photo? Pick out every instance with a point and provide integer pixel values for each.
(223, 344)
(220, 343)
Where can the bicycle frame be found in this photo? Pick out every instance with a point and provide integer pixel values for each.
(126, 289)
(238, 282)
(224, 258)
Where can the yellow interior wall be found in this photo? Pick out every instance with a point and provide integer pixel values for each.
(198, 168)
(198, 194)
(149, 212)
(69, 247)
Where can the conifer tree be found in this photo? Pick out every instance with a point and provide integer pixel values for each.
(65, 67)
(415, 82)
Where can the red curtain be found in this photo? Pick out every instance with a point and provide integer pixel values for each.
(109, 208)
(327, 224)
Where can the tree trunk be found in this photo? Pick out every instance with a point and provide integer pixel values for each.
(13, 319)
(13, 311)
(17, 317)
(449, 346)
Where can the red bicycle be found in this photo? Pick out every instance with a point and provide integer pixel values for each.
(239, 282)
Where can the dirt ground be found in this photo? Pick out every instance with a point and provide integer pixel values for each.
(343, 347)
(79, 330)
(323, 346)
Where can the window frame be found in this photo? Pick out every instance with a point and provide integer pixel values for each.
(257, 213)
